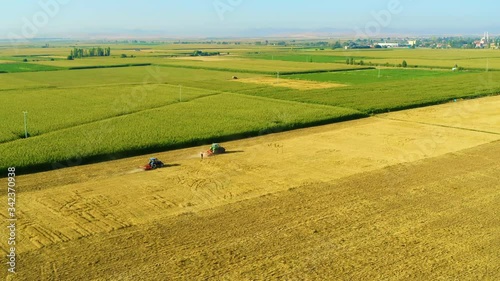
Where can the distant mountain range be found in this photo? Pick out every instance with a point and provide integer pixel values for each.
(298, 33)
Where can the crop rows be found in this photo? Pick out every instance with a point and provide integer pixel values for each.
(372, 76)
(55, 109)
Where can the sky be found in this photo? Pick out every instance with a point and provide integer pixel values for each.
(245, 18)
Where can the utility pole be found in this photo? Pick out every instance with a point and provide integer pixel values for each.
(25, 124)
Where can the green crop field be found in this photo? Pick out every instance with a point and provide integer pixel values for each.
(394, 95)
(205, 79)
(25, 67)
(256, 66)
(103, 113)
(100, 61)
(55, 109)
(372, 76)
(318, 57)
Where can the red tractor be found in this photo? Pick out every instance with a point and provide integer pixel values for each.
(154, 163)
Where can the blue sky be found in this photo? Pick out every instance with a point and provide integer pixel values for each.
(247, 17)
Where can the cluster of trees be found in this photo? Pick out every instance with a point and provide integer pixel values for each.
(337, 45)
(316, 44)
(351, 61)
(204, 54)
(94, 52)
(125, 56)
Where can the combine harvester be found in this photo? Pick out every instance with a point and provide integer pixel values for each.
(154, 163)
(215, 149)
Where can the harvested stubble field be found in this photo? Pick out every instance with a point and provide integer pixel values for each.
(401, 196)
(288, 83)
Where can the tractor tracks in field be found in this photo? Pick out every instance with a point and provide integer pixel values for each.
(83, 216)
(48, 271)
(438, 125)
(204, 187)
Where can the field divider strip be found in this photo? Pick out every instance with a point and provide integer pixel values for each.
(107, 85)
(107, 66)
(438, 125)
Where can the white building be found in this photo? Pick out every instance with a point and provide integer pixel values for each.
(387, 45)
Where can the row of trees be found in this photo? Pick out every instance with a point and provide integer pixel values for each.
(204, 54)
(93, 52)
(351, 61)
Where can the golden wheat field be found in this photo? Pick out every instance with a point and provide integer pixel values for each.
(288, 83)
(411, 195)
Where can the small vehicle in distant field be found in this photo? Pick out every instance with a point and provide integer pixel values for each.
(154, 163)
(215, 149)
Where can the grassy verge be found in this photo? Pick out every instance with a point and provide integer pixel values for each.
(108, 66)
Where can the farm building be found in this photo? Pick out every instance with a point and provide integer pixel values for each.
(388, 45)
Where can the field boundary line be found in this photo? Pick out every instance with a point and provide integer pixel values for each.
(438, 125)
(131, 84)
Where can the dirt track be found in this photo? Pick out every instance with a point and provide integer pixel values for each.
(407, 195)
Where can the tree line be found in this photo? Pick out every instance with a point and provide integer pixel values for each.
(204, 54)
(78, 53)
